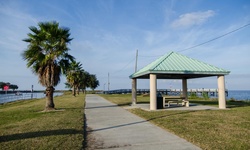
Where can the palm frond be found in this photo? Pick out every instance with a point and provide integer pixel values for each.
(46, 53)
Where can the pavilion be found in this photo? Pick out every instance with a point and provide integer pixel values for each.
(176, 66)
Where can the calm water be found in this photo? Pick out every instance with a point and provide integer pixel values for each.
(239, 95)
(4, 98)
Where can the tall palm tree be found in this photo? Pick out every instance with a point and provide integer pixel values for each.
(47, 55)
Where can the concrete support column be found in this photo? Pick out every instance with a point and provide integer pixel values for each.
(221, 92)
(184, 88)
(185, 93)
(134, 91)
(153, 90)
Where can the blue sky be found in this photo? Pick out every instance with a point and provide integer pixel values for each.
(107, 34)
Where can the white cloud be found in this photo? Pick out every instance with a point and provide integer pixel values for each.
(191, 19)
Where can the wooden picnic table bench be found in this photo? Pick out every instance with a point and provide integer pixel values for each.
(174, 99)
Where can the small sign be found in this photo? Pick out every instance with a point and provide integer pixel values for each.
(6, 88)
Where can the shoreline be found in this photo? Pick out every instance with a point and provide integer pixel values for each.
(7, 98)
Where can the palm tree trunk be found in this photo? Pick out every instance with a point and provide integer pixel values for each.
(84, 89)
(78, 89)
(74, 91)
(49, 101)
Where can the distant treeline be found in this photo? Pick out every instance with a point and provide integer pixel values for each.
(11, 86)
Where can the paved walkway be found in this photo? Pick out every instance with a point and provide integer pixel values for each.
(112, 127)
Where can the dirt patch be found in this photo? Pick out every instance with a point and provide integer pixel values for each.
(91, 142)
(52, 110)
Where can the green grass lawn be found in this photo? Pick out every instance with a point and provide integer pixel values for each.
(208, 129)
(23, 125)
(124, 99)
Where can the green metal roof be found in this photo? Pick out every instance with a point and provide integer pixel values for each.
(176, 66)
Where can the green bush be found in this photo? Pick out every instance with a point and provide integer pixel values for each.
(205, 95)
(193, 95)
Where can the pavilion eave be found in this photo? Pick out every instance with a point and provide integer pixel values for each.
(177, 75)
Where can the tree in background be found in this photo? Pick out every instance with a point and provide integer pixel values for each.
(78, 79)
(67, 85)
(13, 87)
(74, 75)
(93, 82)
(2, 84)
(47, 55)
(84, 83)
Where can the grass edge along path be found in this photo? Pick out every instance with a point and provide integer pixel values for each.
(24, 125)
(208, 129)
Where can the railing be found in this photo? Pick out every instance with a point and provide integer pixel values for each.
(13, 97)
(212, 92)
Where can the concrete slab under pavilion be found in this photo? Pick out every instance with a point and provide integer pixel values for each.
(176, 66)
(174, 107)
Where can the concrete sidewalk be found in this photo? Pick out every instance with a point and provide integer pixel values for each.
(112, 127)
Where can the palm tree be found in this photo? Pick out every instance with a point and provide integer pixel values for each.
(93, 82)
(84, 82)
(47, 55)
(67, 85)
(74, 75)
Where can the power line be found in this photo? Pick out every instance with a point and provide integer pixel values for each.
(124, 66)
(244, 26)
(149, 56)
(215, 38)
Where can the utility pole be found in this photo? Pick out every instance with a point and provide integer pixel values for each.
(104, 88)
(108, 83)
(32, 91)
(136, 58)
(134, 88)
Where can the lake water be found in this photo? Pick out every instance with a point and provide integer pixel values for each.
(4, 98)
(235, 94)
(239, 94)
